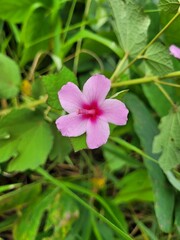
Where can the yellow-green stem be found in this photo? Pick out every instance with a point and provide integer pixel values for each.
(145, 80)
(151, 42)
(119, 66)
(29, 105)
(166, 96)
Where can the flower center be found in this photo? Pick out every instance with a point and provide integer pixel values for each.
(87, 111)
(91, 111)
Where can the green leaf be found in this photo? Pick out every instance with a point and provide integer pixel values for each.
(15, 11)
(19, 198)
(133, 187)
(27, 130)
(54, 82)
(83, 34)
(158, 60)
(61, 146)
(173, 180)
(32, 215)
(79, 143)
(131, 24)
(117, 157)
(169, 5)
(146, 129)
(10, 77)
(153, 93)
(168, 141)
(62, 212)
(36, 36)
(171, 36)
(146, 231)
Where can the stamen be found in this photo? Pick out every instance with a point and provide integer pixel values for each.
(87, 111)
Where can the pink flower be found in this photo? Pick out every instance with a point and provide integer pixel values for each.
(175, 51)
(89, 111)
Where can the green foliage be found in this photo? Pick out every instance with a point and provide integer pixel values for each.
(135, 186)
(169, 5)
(169, 9)
(14, 11)
(52, 190)
(132, 26)
(168, 141)
(19, 198)
(53, 84)
(79, 143)
(146, 129)
(152, 93)
(21, 139)
(158, 60)
(32, 215)
(10, 77)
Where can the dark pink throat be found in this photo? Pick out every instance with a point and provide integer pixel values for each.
(90, 111)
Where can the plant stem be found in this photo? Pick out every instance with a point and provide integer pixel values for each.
(151, 42)
(60, 184)
(79, 43)
(29, 105)
(166, 96)
(119, 66)
(133, 148)
(145, 80)
(69, 19)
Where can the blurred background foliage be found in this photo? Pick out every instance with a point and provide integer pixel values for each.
(52, 187)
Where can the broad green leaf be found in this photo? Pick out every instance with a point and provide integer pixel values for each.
(27, 130)
(36, 34)
(158, 60)
(132, 25)
(171, 36)
(9, 78)
(169, 5)
(133, 187)
(61, 146)
(79, 143)
(117, 157)
(153, 93)
(83, 34)
(32, 216)
(17, 199)
(54, 82)
(168, 141)
(146, 129)
(15, 11)
(173, 180)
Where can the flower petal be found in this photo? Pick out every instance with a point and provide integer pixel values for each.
(97, 133)
(175, 51)
(70, 97)
(96, 88)
(114, 111)
(71, 125)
